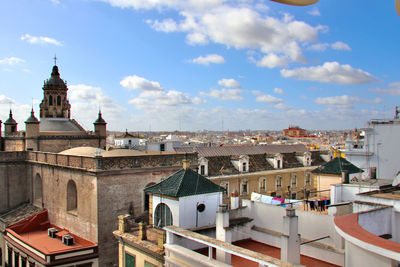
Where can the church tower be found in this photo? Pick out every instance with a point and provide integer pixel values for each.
(55, 103)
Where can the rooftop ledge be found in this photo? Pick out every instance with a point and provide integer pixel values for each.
(347, 226)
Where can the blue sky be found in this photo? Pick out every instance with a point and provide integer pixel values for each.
(212, 64)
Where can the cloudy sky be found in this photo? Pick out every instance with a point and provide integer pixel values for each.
(210, 64)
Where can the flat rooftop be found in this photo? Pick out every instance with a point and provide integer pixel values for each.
(33, 232)
(266, 250)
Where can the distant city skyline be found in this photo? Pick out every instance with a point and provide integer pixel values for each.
(166, 65)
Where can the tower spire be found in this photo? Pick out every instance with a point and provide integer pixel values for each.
(55, 60)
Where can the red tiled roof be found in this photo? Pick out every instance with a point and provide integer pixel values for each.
(349, 225)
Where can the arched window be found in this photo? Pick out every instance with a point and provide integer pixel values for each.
(58, 100)
(163, 216)
(72, 196)
(38, 190)
(50, 100)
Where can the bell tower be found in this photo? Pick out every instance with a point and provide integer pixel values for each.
(55, 103)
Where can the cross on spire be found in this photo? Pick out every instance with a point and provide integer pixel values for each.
(55, 60)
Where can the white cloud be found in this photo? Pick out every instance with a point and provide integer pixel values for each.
(318, 47)
(231, 83)
(272, 60)
(86, 101)
(279, 91)
(167, 25)
(345, 101)
(11, 60)
(207, 60)
(281, 106)
(56, 2)
(138, 83)
(330, 72)
(170, 98)
(239, 25)
(40, 40)
(340, 46)
(6, 100)
(335, 46)
(266, 98)
(225, 94)
(393, 89)
(314, 12)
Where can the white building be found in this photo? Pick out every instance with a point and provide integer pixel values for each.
(128, 140)
(185, 199)
(376, 153)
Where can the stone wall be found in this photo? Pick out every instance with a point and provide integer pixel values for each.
(14, 183)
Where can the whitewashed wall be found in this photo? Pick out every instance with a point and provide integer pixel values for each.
(188, 208)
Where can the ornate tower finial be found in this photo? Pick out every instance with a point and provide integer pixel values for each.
(55, 60)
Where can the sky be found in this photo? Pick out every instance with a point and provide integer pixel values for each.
(190, 65)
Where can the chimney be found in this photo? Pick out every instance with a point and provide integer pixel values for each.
(223, 232)
(123, 223)
(235, 200)
(345, 177)
(186, 162)
(142, 231)
(290, 240)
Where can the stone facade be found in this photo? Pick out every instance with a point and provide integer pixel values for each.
(104, 189)
(55, 131)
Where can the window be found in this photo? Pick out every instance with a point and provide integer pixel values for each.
(162, 147)
(129, 260)
(58, 100)
(307, 179)
(31, 264)
(202, 169)
(9, 256)
(50, 100)
(163, 216)
(293, 180)
(263, 184)
(278, 182)
(16, 259)
(23, 261)
(226, 186)
(244, 167)
(1, 257)
(244, 187)
(72, 196)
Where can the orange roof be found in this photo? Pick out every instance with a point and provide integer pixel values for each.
(33, 232)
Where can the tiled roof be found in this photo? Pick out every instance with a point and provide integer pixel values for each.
(316, 159)
(59, 125)
(336, 166)
(259, 163)
(220, 165)
(184, 182)
(242, 150)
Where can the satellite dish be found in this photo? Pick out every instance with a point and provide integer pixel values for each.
(300, 2)
(396, 180)
(397, 6)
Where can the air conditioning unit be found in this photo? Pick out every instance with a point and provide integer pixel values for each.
(52, 232)
(67, 240)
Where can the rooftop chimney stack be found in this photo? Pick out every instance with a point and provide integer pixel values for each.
(223, 232)
(290, 240)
